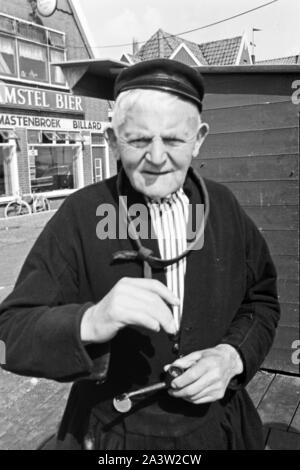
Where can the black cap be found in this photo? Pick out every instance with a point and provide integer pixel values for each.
(164, 75)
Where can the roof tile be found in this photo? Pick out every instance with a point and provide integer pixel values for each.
(223, 52)
(162, 45)
(290, 60)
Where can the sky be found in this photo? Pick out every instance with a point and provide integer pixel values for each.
(112, 22)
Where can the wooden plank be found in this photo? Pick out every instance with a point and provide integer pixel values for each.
(219, 100)
(288, 290)
(295, 424)
(289, 314)
(280, 402)
(264, 142)
(252, 168)
(287, 266)
(260, 116)
(285, 337)
(282, 440)
(259, 385)
(242, 82)
(274, 217)
(282, 242)
(262, 193)
(281, 360)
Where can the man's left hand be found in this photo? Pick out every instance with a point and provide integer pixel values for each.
(207, 375)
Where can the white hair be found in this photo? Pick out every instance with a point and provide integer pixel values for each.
(127, 99)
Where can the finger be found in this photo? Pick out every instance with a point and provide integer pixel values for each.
(143, 315)
(187, 361)
(156, 287)
(143, 320)
(131, 302)
(208, 395)
(164, 316)
(156, 309)
(197, 387)
(191, 375)
(207, 399)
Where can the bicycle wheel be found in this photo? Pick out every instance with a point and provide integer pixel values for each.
(47, 204)
(40, 204)
(25, 208)
(12, 209)
(15, 208)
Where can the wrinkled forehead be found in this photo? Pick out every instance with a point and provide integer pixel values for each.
(137, 104)
(149, 99)
(141, 109)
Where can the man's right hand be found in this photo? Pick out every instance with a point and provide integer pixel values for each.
(131, 302)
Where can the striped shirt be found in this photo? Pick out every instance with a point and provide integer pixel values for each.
(169, 218)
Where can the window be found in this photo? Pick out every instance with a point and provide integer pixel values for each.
(98, 156)
(56, 39)
(33, 61)
(32, 32)
(99, 149)
(51, 137)
(4, 136)
(61, 137)
(27, 50)
(5, 164)
(98, 169)
(53, 158)
(74, 137)
(33, 137)
(7, 24)
(2, 175)
(7, 56)
(47, 137)
(57, 75)
(51, 168)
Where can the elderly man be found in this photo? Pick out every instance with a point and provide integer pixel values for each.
(113, 313)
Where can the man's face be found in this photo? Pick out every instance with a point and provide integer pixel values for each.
(157, 142)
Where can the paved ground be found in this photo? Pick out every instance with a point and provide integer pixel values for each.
(30, 408)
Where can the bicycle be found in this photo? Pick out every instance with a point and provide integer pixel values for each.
(25, 206)
(17, 207)
(39, 203)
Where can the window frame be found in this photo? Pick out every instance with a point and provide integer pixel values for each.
(17, 38)
(16, 74)
(77, 147)
(46, 80)
(105, 164)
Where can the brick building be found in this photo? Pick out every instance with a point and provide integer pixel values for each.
(50, 140)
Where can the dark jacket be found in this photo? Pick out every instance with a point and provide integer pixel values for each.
(230, 297)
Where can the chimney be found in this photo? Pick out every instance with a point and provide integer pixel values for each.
(135, 46)
(253, 58)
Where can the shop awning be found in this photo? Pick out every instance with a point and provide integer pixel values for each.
(94, 77)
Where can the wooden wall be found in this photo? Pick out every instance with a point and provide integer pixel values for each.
(253, 148)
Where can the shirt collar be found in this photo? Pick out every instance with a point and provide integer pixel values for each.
(170, 198)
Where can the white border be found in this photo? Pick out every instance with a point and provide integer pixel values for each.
(244, 42)
(184, 46)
